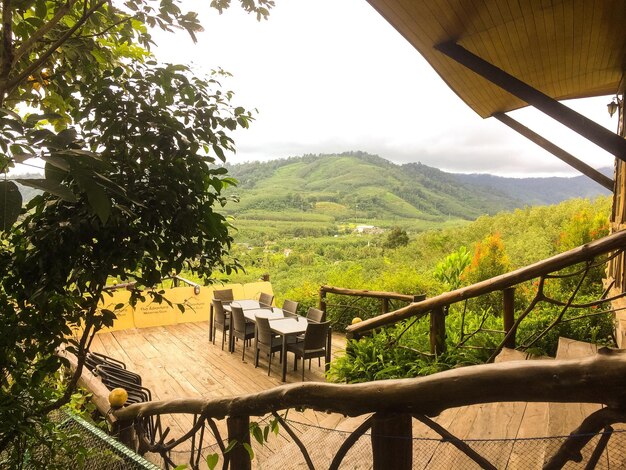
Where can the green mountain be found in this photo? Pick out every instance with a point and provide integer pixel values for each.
(358, 188)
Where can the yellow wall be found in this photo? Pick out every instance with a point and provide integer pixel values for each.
(196, 306)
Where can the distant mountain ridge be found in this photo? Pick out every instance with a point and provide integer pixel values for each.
(357, 185)
(540, 191)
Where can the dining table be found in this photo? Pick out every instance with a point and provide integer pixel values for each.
(269, 313)
(244, 304)
(288, 327)
(285, 326)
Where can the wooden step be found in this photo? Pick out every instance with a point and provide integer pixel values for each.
(563, 418)
(489, 421)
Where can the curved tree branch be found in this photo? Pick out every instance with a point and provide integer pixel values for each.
(456, 442)
(37, 63)
(591, 425)
(349, 442)
(41, 32)
(298, 442)
(538, 297)
(597, 379)
(569, 302)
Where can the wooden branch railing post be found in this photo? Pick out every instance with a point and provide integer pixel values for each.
(385, 306)
(323, 299)
(437, 330)
(239, 430)
(508, 315)
(392, 441)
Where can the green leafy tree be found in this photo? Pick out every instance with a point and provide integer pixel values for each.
(490, 260)
(129, 189)
(396, 238)
(48, 46)
(451, 268)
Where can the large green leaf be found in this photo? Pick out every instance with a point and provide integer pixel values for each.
(99, 202)
(49, 186)
(10, 204)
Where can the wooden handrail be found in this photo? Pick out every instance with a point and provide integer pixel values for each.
(596, 379)
(368, 293)
(577, 255)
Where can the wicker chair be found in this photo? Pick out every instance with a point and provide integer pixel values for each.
(316, 315)
(314, 344)
(266, 299)
(225, 295)
(266, 341)
(220, 320)
(290, 308)
(242, 329)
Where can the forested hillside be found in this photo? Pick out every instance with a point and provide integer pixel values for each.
(316, 195)
(357, 185)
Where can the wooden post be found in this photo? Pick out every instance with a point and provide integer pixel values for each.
(329, 343)
(211, 332)
(385, 305)
(239, 430)
(124, 431)
(437, 330)
(508, 315)
(323, 299)
(392, 441)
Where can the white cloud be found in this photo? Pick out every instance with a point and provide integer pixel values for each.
(332, 75)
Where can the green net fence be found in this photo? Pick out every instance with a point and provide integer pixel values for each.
(95, 449)
(603, 451)
(606, 450)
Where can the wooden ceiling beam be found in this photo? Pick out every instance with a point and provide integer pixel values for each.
(555, 150)
(580, 124)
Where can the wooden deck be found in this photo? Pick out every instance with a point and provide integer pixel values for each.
(178, 361)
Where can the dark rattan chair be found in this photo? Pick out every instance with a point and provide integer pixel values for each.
(290, 308)
(316, 315)
(314, 344)
(242, 329)
(225, 295)
(266, 299)
(312, 315)
(266, 341)
(220, 320)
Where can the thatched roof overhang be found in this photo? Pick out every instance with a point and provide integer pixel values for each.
(559, 49)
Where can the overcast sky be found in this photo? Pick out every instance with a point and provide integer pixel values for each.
(328, 76)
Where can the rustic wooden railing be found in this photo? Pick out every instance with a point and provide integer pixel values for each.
(385, 298)
(598, 379)
(436, 306)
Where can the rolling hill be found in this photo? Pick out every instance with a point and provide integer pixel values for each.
(355, 187)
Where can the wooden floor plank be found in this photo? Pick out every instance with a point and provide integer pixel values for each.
(565, 417)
